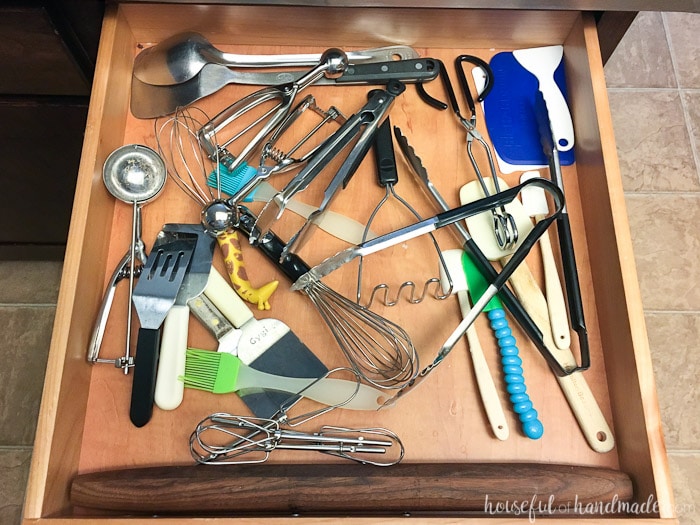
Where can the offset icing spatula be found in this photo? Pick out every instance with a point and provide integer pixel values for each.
(153, 297)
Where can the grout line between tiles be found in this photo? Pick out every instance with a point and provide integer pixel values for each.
(10, 448)
(641, 89)
(684, 106)
(27, 305)
(682, 452)
(671, 49)
(663, 193)
(672, 312)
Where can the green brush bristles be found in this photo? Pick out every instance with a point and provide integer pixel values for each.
(215, 372)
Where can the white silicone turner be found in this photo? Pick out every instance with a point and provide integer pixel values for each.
(543, 62)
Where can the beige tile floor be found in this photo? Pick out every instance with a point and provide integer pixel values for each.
(654, 87)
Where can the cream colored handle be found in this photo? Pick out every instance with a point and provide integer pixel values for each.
(484, 380)
(587, 412)
(556, 304)
(578, 394)
(220, 293)
(171, 361)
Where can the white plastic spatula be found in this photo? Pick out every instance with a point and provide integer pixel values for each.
(543, 62)
(535, 203)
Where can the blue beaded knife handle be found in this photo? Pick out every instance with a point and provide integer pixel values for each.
(511, 363)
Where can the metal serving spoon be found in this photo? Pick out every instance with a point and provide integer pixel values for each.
(181, 57)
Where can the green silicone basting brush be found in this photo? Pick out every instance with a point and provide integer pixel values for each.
(224, 373)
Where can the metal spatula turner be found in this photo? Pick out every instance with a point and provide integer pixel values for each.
(153, 297)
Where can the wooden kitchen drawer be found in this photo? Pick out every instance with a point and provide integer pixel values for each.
(84, 425)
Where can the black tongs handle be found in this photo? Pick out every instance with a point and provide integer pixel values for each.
(573, 287)
(461, 77)
(384, 156)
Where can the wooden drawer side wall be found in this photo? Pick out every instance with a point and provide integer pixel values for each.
(618, 302)
(64, 401)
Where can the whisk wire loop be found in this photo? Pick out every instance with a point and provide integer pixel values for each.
(379, 350)
(184, 156)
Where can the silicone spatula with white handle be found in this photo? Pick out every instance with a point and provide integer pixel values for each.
(535, 202)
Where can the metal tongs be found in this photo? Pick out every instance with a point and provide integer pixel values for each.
(504, 225)
(363, 125)
(497, 280)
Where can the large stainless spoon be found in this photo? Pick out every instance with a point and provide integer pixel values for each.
(182, 56)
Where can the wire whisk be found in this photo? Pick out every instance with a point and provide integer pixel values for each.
(378, 350)
(185, 158)
(225, 439)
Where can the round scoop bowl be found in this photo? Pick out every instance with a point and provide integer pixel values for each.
(134, 173)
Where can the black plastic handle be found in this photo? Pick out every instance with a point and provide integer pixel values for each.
(271, 246)
(408, 71)
(144, 383)
(573, 287)
(384, 156)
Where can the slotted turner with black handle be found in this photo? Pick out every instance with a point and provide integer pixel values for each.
(153, 297)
